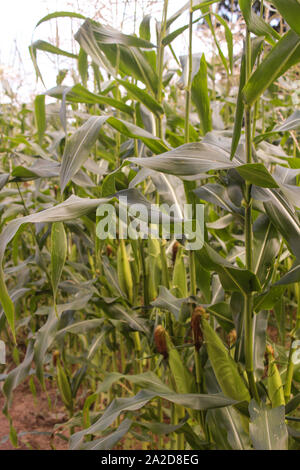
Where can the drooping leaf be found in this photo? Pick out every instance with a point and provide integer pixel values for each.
(48, 331)
(60, 14)
(101, 43)
(108, 442)
(119, 405)
(293, 275)
(281, 215)
(17, 375)
(78, 147)
(79, 94)
(271, 67)
(168, 301)
(218, 195)
(131, 130)
(70, 209)
(292, 122)
(232, 277)
(107, 35)
(47, 47)
(188, 160)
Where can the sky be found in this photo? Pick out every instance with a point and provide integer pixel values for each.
(17, 29)
(17, 22)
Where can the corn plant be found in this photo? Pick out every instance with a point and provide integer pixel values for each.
(170, 346)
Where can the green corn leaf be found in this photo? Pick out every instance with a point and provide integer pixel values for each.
(40, 116)
(229, 40)
(171, 36)
(142, 96)
(179, 280)
(168, 301)
(265, 246)
(217, 195)
(268, 430)
(225, 368)
(271, 67)
(16, 376)
(275, 386)
(255, 23)
(188, 160)
(64, 386)
(70, 209)
(60, 14)
(79, 94)
(256, 45)
(101, 42)
(232, 277)
(124, 271)
(131, 130)
(200, 96)
(144, 30)
(120, 405)
(47, 47)
(290, 10)
(78, 147)
(83, 66)
(292, 276)
(47, 333)
(292, 122)
(281, 215)
(108, 442)
(107, 35)
(256, 173)
(182, 377)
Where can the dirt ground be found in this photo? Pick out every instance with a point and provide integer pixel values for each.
(33, 416)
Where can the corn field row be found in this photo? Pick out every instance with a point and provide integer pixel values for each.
(151, 344)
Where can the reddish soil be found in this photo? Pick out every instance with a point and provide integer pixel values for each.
(33, 415)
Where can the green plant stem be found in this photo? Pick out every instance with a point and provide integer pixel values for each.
(144, 272)
(118, 136)
(189, 186)
(180, 437)
(248, 308)
(138, 353)
(164, 265)
(189, 84)
(159, 127)
(290, 367)
(160, 65)
(160, 415)
(257, 103)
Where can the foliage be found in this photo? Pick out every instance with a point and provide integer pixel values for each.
(174, 340)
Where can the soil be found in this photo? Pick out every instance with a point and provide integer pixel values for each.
(33, 416)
